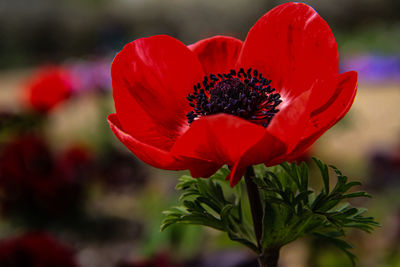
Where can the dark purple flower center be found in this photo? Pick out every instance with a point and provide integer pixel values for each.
(246, 94)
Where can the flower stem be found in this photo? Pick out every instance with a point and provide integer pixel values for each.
(255, 204)
(268, 257)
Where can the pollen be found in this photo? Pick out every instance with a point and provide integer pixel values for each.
(246, 94)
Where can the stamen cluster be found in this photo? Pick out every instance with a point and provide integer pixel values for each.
(246, 94)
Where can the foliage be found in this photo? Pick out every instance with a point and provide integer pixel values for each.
(291, 208)
(204, 202)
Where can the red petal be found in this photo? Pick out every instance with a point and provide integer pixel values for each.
(160, 158)
(226, 139)
(153, 156)
(236, 174)
(217, 54)
(203, 169)
(139, 124)
(266, 149)
(151, 79)
(220, 138)
(290, 122)
(334, 109)
(293, 46)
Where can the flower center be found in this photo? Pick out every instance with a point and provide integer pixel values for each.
(244, 94)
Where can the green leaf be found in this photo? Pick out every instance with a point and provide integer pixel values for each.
(356, 194)
(324, 174)
(205, 202)
(290, 208)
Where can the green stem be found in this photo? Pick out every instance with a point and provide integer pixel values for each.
(255, 204)
(268, 257)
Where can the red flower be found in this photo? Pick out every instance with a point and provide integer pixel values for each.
(47, 88)
(75, 163)
(34, 181)
(280, 86)
(35, 249)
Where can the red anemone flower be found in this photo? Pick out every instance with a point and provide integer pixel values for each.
(47, 88)
(223, 101)
(34, 181)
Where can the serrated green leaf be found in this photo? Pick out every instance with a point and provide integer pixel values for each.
(356, 194)
(304, 178)
(274, 181)
(324, 173)
(291, 209)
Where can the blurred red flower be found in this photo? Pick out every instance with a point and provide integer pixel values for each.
(224, 101)
(34, 181)
(74, 162)
(34, 250)
(47, 88)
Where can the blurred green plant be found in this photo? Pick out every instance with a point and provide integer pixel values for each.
(291, 209)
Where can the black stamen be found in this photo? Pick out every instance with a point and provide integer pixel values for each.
(213, 77)
(246, 94)
(249, 73)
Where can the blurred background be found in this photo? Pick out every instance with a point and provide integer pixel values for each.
(69, 189)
